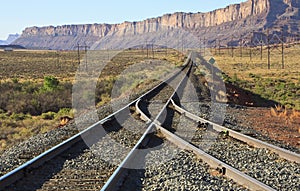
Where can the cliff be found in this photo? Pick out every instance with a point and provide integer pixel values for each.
(234, 20)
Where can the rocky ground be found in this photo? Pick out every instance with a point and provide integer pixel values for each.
(277, 128)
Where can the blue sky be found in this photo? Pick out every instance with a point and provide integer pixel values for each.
(17, 15)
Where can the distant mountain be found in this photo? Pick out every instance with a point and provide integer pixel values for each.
(227, 25)
(10, 39)
(3, 42)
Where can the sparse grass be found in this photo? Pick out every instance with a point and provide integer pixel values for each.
(14, 130)
(282, 112)
(280, 85)
(36, 86)
(34, 65)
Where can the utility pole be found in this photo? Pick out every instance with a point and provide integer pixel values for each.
(268, 46)
(57, 60)
(282, 49)
(78, 54)
(219, 47)
(204, 45)
(241, 48)
(152, 51)
(216, 46)
(147, 48)
(261, 46)
(232, 46)
(85, 51)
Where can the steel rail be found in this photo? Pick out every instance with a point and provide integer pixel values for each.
(228, 171)
(283, 153)
(37, 161)
(115, 180)
(143, 116)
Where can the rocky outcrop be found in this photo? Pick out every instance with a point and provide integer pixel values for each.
(234, 20)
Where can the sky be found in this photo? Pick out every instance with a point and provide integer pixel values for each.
(16, 15)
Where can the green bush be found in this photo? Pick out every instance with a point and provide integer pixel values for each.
(65, 112)
(18, 116)
(50, 83)
(49, 115)
(31, 97)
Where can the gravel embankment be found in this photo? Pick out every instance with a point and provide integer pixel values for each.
(170, 168)
(83, 167)
(260, 164)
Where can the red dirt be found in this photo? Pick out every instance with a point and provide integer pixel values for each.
(276, 128)
(283, 128)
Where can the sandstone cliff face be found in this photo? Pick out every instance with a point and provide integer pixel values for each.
(68, 30)
(240, 18)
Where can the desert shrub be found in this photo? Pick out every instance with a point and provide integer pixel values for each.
(50, 83)
(104, 87)
(65, 112)
(49, 115)
(18, 116)
(31, 97)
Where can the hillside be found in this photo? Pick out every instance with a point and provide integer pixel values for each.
(225, 24)
(10, 39)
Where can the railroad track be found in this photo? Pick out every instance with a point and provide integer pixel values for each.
(160, 156)
(272, 166)
(221, 146)
(73, 163)
(80, 166)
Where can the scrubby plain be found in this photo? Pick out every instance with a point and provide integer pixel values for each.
(36, 86)
(251, 72)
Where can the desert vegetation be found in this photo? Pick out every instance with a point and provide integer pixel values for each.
(36, 87)
(251, 73)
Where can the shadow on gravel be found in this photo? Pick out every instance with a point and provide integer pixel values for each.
(169, 122)
(36, 178)
(135, 178)
(144, 108)
(113, 125)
